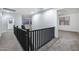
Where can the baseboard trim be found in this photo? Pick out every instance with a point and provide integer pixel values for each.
(68, 31)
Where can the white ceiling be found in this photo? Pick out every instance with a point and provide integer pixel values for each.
(29, 11)
(68, 11)
(24, 11)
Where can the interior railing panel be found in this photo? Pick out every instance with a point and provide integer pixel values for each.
(23, 37)
(35, 39)
(41, 37)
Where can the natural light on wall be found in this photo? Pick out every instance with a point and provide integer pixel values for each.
(45, 19)
(36, 17)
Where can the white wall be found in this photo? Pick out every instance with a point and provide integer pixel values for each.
(46, 19)
(5, 19)
(0, 24)
(18, 20)
(74, 23)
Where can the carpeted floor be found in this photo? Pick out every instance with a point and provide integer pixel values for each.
(8, 42)
(68, 41)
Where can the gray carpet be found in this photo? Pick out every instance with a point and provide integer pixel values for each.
(68, 41)
(8, 42)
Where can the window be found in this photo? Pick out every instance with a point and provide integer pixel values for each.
(64, 20)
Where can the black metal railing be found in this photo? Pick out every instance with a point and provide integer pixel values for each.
(35, 39)
(23, 37)
(40, 37)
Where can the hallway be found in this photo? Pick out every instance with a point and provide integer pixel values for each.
(68, 41)
(44, 25)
